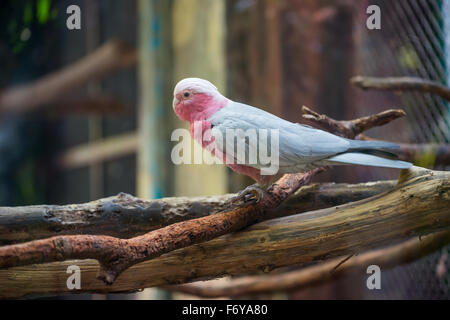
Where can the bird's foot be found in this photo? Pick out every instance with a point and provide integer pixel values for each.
(250, 195)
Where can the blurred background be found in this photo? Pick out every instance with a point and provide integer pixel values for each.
(86, 113)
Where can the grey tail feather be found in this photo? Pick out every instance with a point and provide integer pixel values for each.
(371, 145)
(379, 153)
(377, 148)
(367, 160)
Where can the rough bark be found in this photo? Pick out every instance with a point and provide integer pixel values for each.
(385, 258)
(418, 205)
(125, 216)
(115, 255)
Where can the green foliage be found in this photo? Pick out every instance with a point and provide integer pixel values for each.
(24, 19)
(43, 11)
(28, 13)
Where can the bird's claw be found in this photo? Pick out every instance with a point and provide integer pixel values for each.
(250, 195)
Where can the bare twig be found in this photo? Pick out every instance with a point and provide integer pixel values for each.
(340, 263)
(349, 129)
(402, 84)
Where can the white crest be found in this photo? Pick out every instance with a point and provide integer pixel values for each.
(196, 84)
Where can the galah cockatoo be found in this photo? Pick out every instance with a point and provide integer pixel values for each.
(301, 147)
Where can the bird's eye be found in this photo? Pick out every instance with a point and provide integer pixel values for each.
(186, 94)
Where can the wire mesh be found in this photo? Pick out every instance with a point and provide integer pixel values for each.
(414, 40)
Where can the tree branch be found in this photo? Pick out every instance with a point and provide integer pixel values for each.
(429, 154)
(95, 105)
(125, 216)
(115, 255)
(402, 84)
(418, 205)
(385, 258)
(113, 55)
(349, 129)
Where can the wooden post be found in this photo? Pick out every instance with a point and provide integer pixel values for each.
(156, 85)
(154, 168)
(95, 126)
(198, 34)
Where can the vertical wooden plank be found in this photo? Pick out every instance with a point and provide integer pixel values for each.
(154, 168)
(155, 82)
(198, 33)
(94, 121)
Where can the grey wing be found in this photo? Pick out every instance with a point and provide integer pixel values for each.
(237, 139)
(297, 144)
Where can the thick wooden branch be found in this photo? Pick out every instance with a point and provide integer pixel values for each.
(125, 216)
(115, 255)
(386, 258)
(113, 55)
(420, 204)
(402, 84)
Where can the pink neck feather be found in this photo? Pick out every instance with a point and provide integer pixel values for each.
(200, 107)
